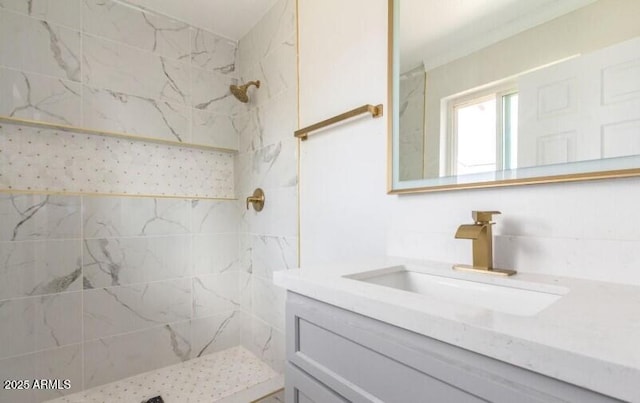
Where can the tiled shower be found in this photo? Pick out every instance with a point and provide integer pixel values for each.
(122, 255)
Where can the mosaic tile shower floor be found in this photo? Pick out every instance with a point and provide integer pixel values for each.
(216, 377)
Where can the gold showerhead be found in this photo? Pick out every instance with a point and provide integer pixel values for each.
(240, 91)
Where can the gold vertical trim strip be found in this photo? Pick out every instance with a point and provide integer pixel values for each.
(424, 124)
(390, 109)
(298, 162)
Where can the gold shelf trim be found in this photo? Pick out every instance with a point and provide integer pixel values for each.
(376, 111)
(106, 133)
(109, 194)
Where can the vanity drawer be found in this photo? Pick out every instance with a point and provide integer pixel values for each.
(365, 375)
(366, 360)
(301, 388)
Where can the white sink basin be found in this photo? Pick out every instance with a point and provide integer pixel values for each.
(506, 295)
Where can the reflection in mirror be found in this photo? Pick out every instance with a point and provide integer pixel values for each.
(513, 89)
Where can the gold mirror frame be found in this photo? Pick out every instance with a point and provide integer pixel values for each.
(392, 61)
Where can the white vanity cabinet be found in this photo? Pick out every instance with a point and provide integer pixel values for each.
(334, 355)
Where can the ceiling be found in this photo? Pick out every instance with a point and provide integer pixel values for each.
(438, 31)
(229, 18)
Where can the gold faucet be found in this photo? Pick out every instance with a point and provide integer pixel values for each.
(480, 233)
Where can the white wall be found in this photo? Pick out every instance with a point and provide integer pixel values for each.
(586, 230)
(342, 60)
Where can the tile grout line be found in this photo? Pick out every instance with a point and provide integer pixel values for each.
(57, 24)
(42, 350)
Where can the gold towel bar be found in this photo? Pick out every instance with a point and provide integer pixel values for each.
(375, 111)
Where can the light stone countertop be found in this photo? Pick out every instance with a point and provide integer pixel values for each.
(590, 337)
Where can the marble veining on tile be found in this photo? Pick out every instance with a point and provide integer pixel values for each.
(277, 70)
(215, 294)
(112, 358)
(32, 217)
(267, 124)
(39, 323)
(126, 217)
(213, 129)
(206, 379)
(275, 28)
(52, 50)
(211, 92)
(30, 268)
(37, 97)
(114, 310)
(121, 261)
(268, 302)
(215, 333)
(111, 66)
(213, 216)
(136, 27)
(265, 342)
(247, 128)
(214, 253)
(274, 165)
(163, 120)
(245, 246)
(244, 290)
(212, 52)
(273, 253)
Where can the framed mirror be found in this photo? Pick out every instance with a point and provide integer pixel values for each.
(507, 92)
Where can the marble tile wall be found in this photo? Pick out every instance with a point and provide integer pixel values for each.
(105, 65)
(94, 289)
(268, 159)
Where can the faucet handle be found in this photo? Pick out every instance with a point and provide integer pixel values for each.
(483, 217)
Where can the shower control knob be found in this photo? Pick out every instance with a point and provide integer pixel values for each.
(257, 200)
